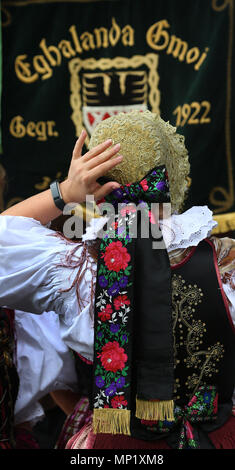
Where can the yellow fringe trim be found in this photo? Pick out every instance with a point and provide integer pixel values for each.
(226, 223)
(110, 421)
(155, 410)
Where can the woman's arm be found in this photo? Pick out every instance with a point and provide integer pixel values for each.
(82, 181)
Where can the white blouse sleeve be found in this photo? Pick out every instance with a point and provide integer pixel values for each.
(44, 363)
(32, 277)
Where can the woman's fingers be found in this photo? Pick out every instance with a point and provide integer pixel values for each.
(77, 151)
(97, 150)
(102, 168)
(105, 189)
(102, 157)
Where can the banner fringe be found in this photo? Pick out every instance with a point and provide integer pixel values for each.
(155, 410)
(111, 421)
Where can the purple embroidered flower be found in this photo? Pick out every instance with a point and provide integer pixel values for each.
(111, 390)
(118, 193)
(123, 281)
(120, 230)
(160, 185)
(114, 328)
(120, 382)
(114, 289)
(100, 334)
(103, 281)
(99, 381)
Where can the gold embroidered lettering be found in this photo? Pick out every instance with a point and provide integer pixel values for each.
(50, 52)
(114, 33)
(156, 34)
(101, 35)
(41, 65)
(179, 46)
(128, 38)
(87, 41)
(66, 49)
(74, 35)
(17, 129)
(40, 130)
(23, 71)
(202, 58)
(192, 55)
(31, 131)
(51, 131)
(158, 38)
(191, 113)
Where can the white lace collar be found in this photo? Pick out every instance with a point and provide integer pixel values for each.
(188, 229)
(179, 231)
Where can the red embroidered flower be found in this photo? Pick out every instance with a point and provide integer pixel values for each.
(113, 357)
(120, 301)
(105, 314)
(118, 401)
(116, 256)
(144, 184)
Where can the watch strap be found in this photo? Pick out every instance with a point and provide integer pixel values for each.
(56, 194)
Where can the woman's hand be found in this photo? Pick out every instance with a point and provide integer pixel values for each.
(85, 170)
(81, 182)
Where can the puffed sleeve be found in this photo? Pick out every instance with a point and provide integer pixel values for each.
(44, 363)
(38, 269)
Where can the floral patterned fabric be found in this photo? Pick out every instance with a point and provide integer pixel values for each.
(113, 324)
(201, 408)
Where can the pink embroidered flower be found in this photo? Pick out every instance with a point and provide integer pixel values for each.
(105, 314)
(121, 301)
(113, 357)
(116, 256)
(128, 210)
(193, 400)
(152, 217)
(144, 184)
(118, 401)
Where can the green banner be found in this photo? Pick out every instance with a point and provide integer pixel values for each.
(69, 64)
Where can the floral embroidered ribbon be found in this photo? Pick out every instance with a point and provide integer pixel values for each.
(201, 408)
(115, 316)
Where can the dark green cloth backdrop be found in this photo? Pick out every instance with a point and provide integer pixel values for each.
(69, 64)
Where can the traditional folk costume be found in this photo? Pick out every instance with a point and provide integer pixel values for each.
(162, 340)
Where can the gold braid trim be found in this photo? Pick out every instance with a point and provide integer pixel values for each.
(155, 410)
(111, 421)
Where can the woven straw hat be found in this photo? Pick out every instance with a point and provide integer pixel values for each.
(146, 141)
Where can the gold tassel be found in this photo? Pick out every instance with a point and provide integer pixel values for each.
(111, 421)
(155, 410)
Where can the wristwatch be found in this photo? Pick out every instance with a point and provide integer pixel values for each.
(56, 194)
